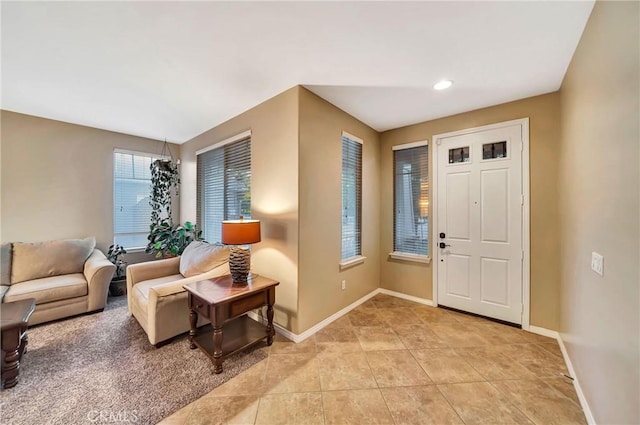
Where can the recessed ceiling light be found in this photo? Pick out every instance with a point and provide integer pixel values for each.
(443, 84)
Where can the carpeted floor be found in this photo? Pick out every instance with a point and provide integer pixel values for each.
(103, 364)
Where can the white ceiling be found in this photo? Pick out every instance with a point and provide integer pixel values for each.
(174, 69)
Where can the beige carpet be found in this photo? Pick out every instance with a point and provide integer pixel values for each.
(101, 368)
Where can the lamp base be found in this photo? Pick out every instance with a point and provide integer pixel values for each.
(239, 264)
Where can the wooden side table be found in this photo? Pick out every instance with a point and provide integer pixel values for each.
(225, 305)
(14, 321)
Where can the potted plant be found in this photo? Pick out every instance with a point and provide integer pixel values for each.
(169, 240)
(118, 283)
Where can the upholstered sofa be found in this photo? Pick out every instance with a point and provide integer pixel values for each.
(155, 292)
(65, 277)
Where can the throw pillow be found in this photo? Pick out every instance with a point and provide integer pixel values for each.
(5, 264)
(51, 258)
(201, 257)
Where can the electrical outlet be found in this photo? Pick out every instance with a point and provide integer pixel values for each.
(597, 263)
(344, 285)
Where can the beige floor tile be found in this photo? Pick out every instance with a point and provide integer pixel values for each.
(536, 359)
(365, 317)
(445, 366)
(481, 403)
(251, 381)
(565, 387)
(458, 334)
(524, 351)
(399, 316)
(367, 304)
(290, 373)
(497, 333)
(418, 336)
(403, 348)
(179, 417)
(396, 369)
(544, 368)
(378, 338)
(433, 314)
(342, 371)
(282, 345)
(540, 402)
(419, 406)
(337, 340)
(537, 339)
(492, 365)
(224, 410)
(294, 409)
(552, 347)
(468, 318)
(342, 322)
(386, 301)
(355, 407)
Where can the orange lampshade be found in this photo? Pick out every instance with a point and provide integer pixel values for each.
(240, 232)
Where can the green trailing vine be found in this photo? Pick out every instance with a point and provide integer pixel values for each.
(166, 238)
(164, 178)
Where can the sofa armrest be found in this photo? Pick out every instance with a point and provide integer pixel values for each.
(170, 288)
(140, 272)
(175, 287)
(3, 290)
(98, 272)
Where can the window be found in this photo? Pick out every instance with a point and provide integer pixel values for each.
(351, 196)
(223, 185)
(411, 199)
(131, 192)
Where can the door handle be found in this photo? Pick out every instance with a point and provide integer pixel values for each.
(443, 245)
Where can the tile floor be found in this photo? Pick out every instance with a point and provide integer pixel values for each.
(392, 361)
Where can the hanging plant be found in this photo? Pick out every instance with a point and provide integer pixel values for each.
(164, 177)
(165, 180)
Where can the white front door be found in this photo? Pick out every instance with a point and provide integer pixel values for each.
(479, 222)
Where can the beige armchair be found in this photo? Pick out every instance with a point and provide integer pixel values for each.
(157, 299)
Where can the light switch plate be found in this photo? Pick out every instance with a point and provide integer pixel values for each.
(597, 263)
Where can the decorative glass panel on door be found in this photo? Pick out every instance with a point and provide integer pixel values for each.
(460, 154)
(494, 150)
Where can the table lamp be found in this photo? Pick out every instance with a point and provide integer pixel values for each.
(240, 232)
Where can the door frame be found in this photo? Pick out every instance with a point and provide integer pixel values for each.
(526, 243)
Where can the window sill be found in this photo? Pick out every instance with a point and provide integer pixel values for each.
(410, 257)
(353, 261)
(135, 250)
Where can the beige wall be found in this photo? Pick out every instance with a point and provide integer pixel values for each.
(544, 132)
(57, 179)
(599, 195)
(321, 126)
(274, 191)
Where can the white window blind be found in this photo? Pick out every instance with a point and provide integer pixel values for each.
(411, 200)
(131, 192)
(223, 186)
(351, 197)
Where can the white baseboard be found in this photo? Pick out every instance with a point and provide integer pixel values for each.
(315, 328)
(576, 383)
(405, 296)
(544, 332)
(280, 329)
